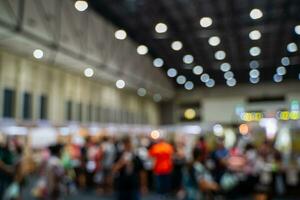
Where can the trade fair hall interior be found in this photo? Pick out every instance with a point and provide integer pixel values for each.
(150, 100)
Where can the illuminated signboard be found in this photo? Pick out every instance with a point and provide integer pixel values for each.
(252, 116)
(288, 115)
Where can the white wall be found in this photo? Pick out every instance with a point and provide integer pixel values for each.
(22, 74)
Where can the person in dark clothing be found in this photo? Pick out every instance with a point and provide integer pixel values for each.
(129, 174)
(6, 167)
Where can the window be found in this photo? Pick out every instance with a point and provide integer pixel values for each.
(80, 112)
(43, 107)
(69, 112)
(27, 106)
(9, 103)
(90, 111)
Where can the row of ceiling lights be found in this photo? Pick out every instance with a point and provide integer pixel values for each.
(206, 22)
(81, 6)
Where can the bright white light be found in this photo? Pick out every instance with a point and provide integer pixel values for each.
(189, 85)
(142, 92)
(218, 130)
(38, 54)
(204, 78)
(81, 5)
(142, 50)
(206, 22)
(120, 34)
(285, 61)
(220, 55)
(254, 80)
(255, 35)
(88, 72)
(188, 59)
(256, 13)
(297, 29)
(210, 83)
(161, 28)
(197, 70)
(254, 64)
(225, 67)
(157, 97)
(228, 75)
(214, 41)
(120, 84)
(158, 62)
(281, 70)
(176, 45)
(181, 79)
(254, 73)
(254, 51)
(277, 78)
(292, 47)
(172, 72)
(231, 82)
(270, 124)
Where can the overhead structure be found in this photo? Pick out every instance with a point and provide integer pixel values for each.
(213, 34)
(70, 35)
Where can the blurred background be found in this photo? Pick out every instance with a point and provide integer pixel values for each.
(140, 99)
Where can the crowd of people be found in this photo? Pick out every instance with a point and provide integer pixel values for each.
(129, 167)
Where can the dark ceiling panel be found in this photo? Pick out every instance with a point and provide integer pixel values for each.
(231, 22)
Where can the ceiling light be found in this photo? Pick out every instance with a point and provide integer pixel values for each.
(181, 79)
(206, 22)
(88, 72)
(254, 73)
(38, 54)
(281, 70)
(285, 61)
(158, 62)
(81, 5)
(142, 92)
(277, 78)
(225, 67)
(254, 80)
(214, 41)
(254, 51)
(218, 130)
(142, 50)
(172, 72)
(197, 70)
(231, 82)
(220, 55)
(188, 59)
(254, 64)
(120, 84)
(176, 45)
(189, 85)
(228, 75)
(297, 29)
(255, 35)
(256, 13)
(157, 97)
(292, 47)
(204, 78)
(120, 34)
(210, 83)
(161, 28)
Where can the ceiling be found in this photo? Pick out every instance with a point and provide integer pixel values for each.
(231, 23)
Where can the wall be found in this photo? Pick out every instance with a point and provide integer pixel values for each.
(218, 104)
(60, 86)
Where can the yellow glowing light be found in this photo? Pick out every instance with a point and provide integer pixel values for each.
(252, 116)
(295, 115)
(155, 134)
(244, 129)
(190, 113)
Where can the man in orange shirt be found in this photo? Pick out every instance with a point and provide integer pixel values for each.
(162, 153)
